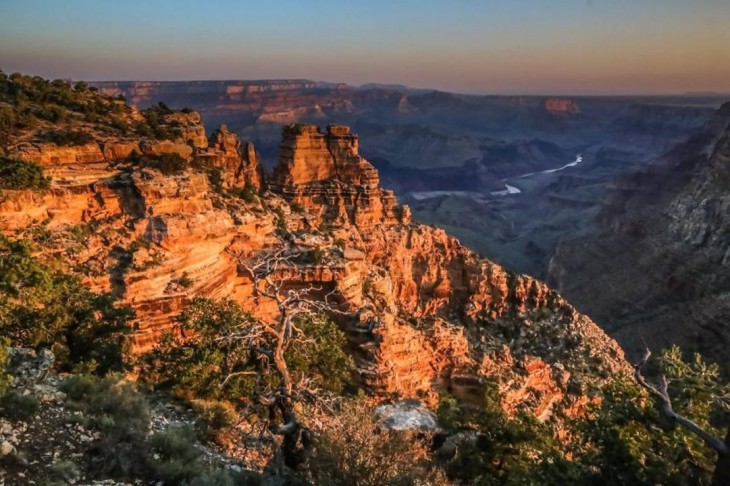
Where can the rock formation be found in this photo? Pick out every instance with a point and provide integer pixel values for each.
(422, 313)
(238, 163)
(324, 173)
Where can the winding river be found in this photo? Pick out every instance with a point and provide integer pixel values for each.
(515, 190)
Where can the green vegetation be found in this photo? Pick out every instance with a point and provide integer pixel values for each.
(183, 281)
(212, 363)
(167, 163)
(16, 406)
(44, 307)
(5, 378)
(351, 447)
(124, 451)
(296, 207)
(69, 137)
(624, 440)
(248, 193)
(155, 125)
(25, 101)
(18, 174)
(635, 444)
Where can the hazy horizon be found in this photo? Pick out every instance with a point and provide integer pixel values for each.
(537, 47)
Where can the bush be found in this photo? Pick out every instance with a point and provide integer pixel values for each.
(18, 174)
(18, 407)
(42, 307)
(351, 447)
(120, 414)
(70, 138)
(216, 420)
(183, 281)
(5, 378)
(296, 207)
(168, 164)
(210, 364)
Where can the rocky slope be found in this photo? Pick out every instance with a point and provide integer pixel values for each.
(658, 272)
(423, 314)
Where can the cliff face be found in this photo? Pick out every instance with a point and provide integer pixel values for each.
(660, 270)
(423, 314)
(324, 173)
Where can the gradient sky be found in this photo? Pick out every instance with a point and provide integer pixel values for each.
(476, 46)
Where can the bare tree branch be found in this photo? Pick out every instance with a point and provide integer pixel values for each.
(661, 394)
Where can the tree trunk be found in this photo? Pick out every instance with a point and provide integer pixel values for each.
(722, 468)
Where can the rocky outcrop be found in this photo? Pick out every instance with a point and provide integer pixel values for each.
(239, 163)
(323, 173)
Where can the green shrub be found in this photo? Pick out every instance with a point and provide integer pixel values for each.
(65, 471)
(248, 193)
(169, 163)
(211, 364)
(16, 406)
(121, 415)
(18, 174)
(5, 378)
(296, 207)
(42, 307)
(352, 448)
(69, 137)
(183, 280)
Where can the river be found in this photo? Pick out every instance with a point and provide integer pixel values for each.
(515, 190)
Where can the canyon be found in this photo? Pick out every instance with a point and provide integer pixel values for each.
(423, 314)
(459, 149)
(657, 272)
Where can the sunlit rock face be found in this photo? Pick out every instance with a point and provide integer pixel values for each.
(324, 173)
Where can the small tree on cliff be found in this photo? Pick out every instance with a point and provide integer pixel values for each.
(699, 395)
(225, 353)
(294, 306)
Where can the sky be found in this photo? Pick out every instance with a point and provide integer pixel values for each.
(469, 46)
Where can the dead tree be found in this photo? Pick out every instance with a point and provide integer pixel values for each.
(660, 393)
(292, 303)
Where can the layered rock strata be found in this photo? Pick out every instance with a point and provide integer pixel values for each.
(423, 314)
(324, 174)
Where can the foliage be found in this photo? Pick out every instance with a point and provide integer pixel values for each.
(17, 406)
(183, 281)
(167, 163)
(18, 174)
(248, 193)
(496, 449)
(28, 100)
(5, 378)
(351, 447)
(635, 444)
(124, 451)
(296, 207)
(44, 307)
(69, 137)
(208, 361)
(155, 125)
